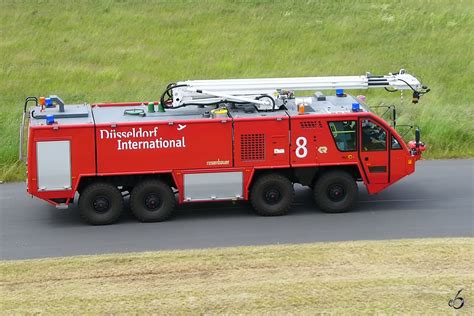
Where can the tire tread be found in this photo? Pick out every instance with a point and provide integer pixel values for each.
(320, 196)
(257, 203)
(164, 214)
(88, 216)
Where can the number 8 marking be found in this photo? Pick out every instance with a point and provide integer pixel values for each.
(301, 150)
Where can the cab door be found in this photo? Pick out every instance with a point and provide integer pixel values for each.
(373, 151)
(398, 159)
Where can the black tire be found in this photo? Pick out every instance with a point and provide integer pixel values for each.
(335, 192)
(100, 204)
(272, 195)
(152, 201)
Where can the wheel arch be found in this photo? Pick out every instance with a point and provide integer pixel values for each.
(126, 180)
(309, 175)
(286, 172)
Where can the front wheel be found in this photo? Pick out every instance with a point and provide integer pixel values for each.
(335, 192)
(272, 195)
(100, 204)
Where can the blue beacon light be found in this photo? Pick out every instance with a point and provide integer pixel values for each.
(340, 92)
(49, 102)
(49, 119)
(355, 107)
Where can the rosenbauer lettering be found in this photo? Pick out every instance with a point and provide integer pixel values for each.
(127, 140)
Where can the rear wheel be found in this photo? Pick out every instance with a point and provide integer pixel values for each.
(335, 192)
(100, 204)
(152, 201)
(272, 195)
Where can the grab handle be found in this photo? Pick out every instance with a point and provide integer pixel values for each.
(21, 156)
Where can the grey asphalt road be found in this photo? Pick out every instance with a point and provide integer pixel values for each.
(437, 201)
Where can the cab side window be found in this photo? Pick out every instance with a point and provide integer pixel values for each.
(374, 137)
(344, 134)
(395, 143)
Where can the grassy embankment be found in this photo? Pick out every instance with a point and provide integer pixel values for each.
(124, 51)
(416, 276)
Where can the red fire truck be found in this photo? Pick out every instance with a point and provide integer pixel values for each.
(215, 140)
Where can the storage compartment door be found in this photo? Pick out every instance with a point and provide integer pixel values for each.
(54, 165)
(213, 186)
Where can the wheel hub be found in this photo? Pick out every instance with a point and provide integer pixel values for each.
(152, 201)
(101, 204)
(336, 192)
(272, 196)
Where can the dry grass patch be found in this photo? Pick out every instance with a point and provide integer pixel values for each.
(345, 277)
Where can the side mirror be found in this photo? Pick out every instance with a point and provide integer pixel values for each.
(417, 137)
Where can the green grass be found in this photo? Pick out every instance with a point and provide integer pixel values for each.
(125, 51)
(415, 276)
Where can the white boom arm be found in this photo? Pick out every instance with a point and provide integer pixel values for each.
(248, 90)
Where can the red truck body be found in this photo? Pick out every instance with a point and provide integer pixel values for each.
(197, 153)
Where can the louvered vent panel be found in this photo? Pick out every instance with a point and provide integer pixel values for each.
(311, 124)
(252, 147)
